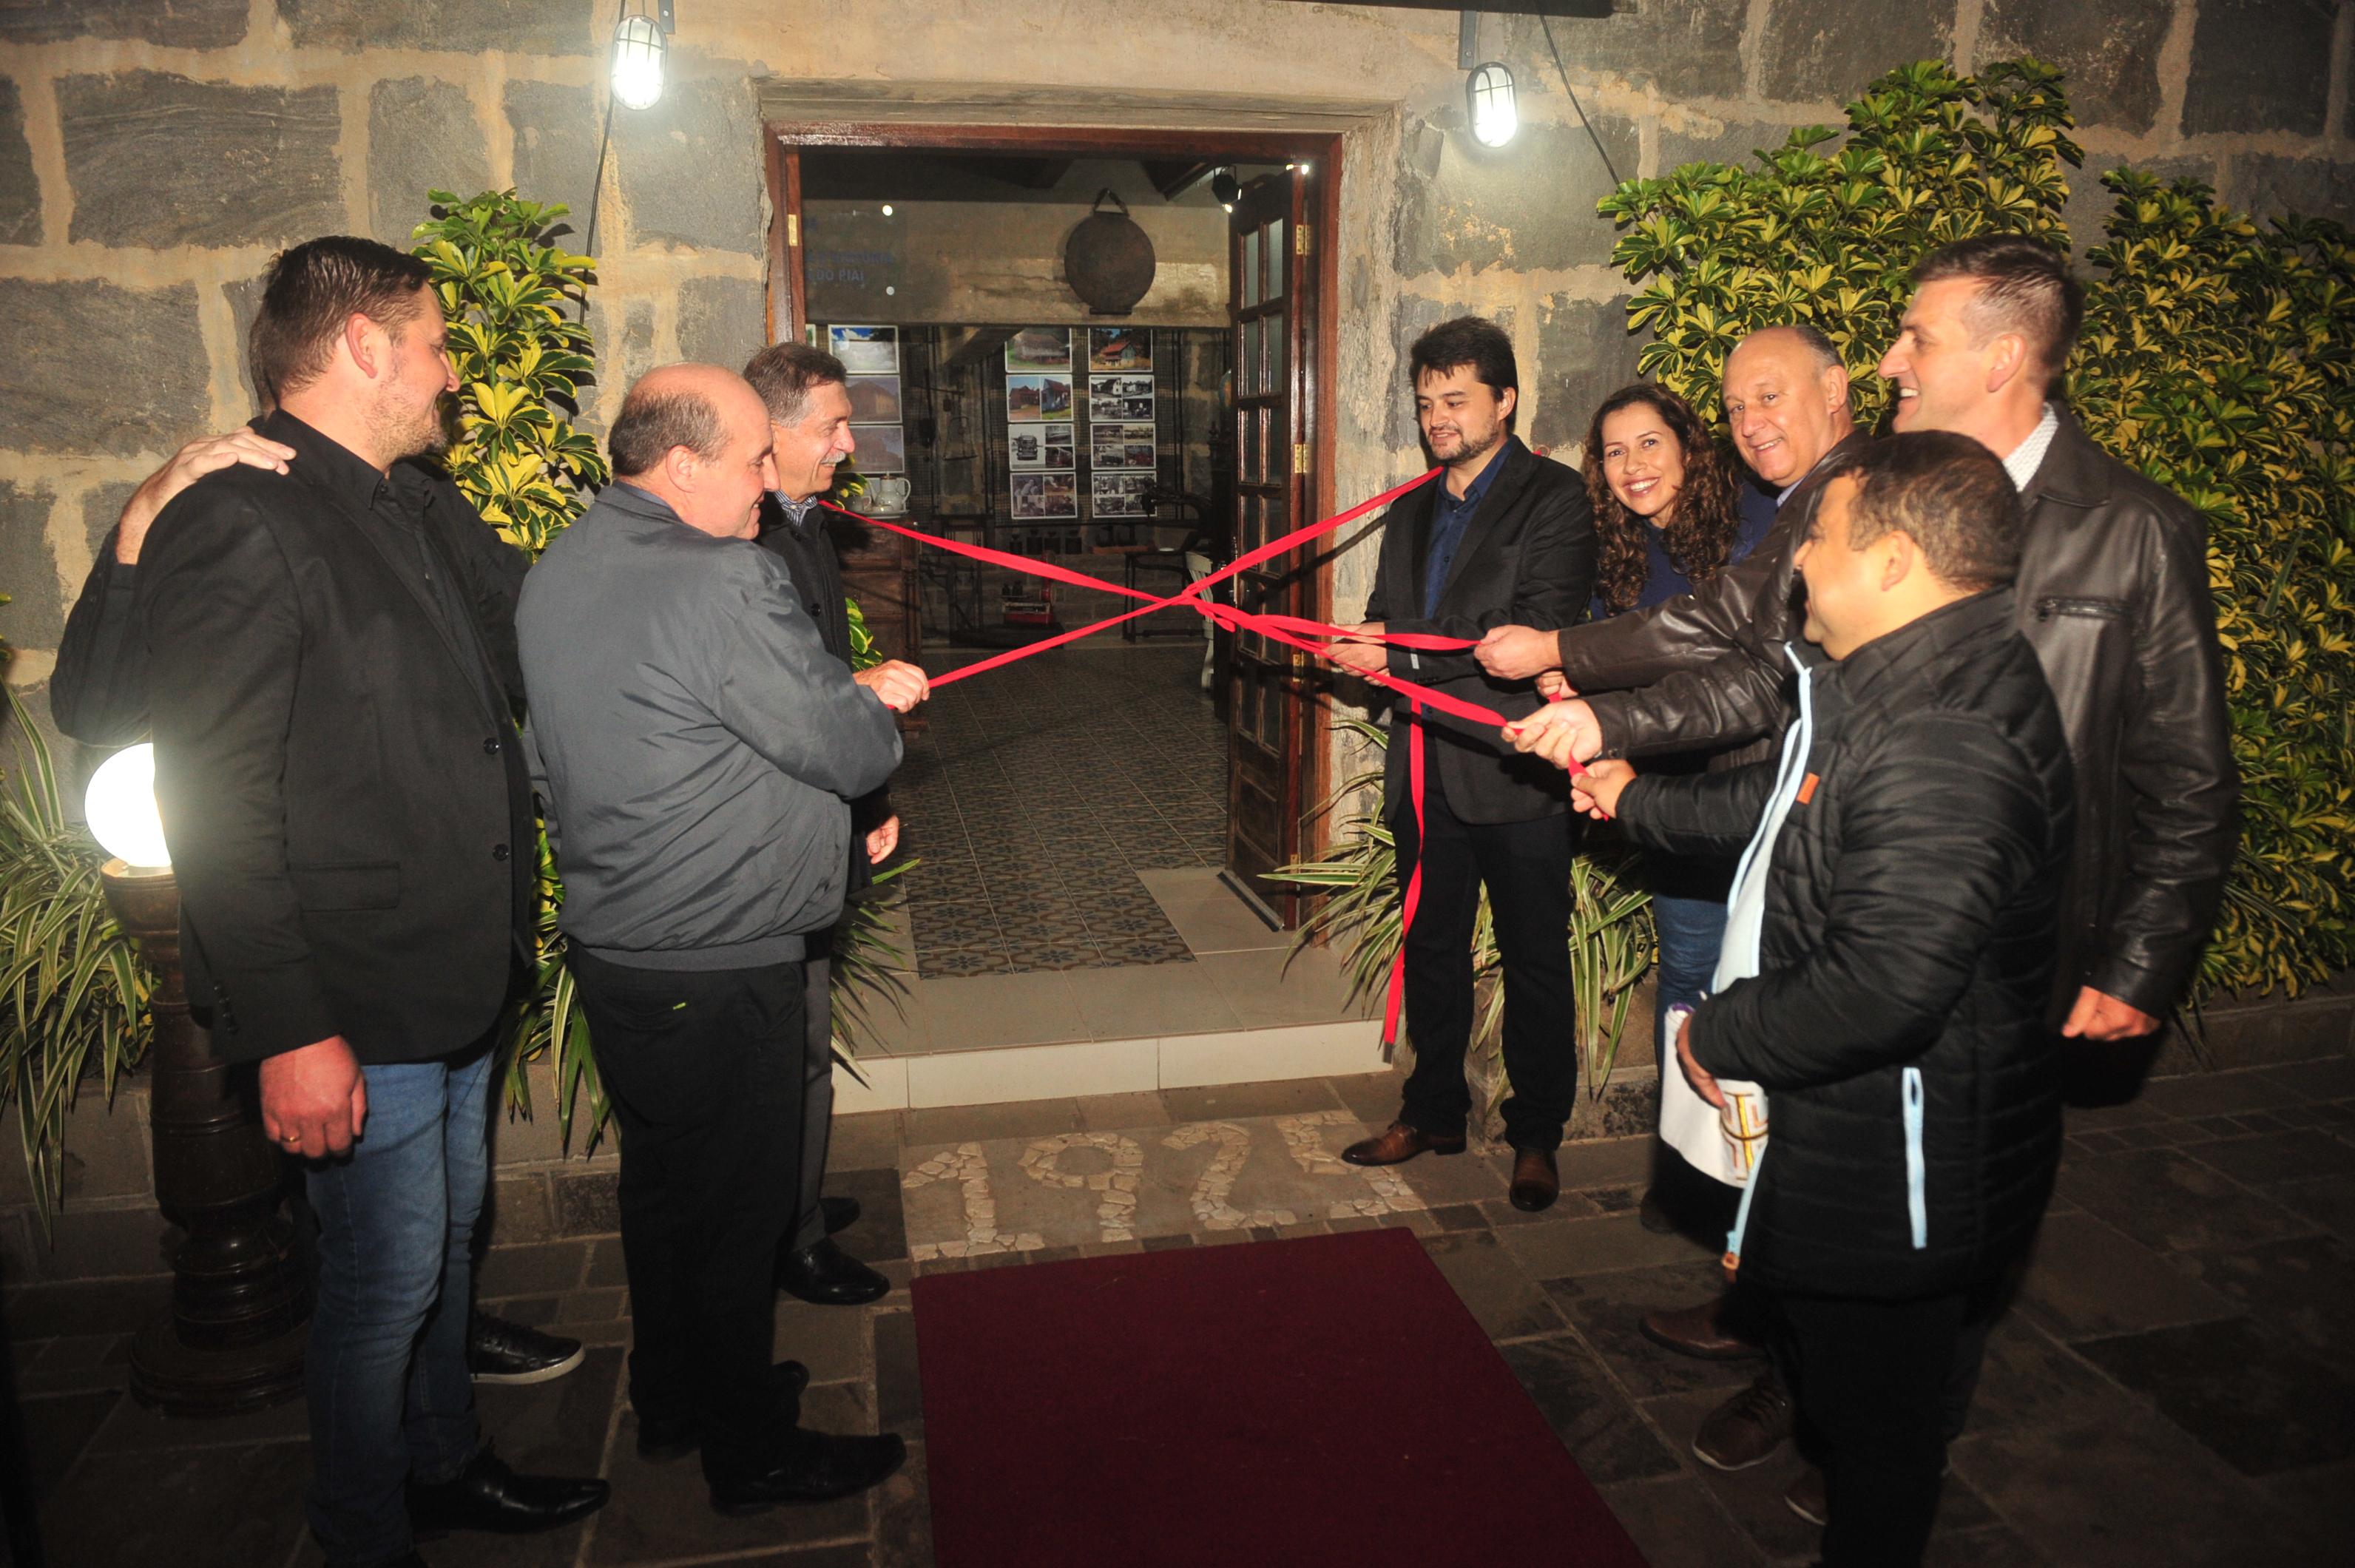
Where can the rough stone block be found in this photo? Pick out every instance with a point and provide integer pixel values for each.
(465, 27)
(1687, 49)
(1417, 316)
(101, 368)
(722, 321)
(1738, 144)
(1482, 208)
(106, 1243)
(588, 1202)
(101, 506)
(555, 135)
(106, 1147)
(2109, 48)
(690, 166)
(518, 1211)
(2259, 65)
(422, 135)
(34, 617)
(624, 349)
(244, 298)
(20, 190)
(2091, 203)
(159, 160)
(2272, 187)
(1818, 49)
(175, 24)
(1585, 354)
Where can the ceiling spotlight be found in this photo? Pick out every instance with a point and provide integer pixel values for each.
(1488, 91)
(639, 41)
(1226, 188)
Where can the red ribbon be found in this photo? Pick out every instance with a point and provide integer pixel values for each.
(1292, 631)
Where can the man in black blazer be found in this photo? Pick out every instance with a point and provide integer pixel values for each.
(1505, 537)
(808, 393)
(332, 675)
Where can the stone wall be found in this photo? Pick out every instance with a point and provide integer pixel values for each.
(154, 154)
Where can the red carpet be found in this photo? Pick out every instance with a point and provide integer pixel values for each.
(1321, 1401)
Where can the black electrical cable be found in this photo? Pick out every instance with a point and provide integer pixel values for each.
(1547, 22)
(597, 183)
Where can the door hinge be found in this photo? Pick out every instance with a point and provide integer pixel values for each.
(1304, 240)
(794, 230)
(1300, 457)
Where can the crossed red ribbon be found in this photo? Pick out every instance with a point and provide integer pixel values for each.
(1293, 631)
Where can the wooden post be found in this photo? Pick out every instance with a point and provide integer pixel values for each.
(234, 1338)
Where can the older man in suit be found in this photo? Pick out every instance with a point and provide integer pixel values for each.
(1505, 537)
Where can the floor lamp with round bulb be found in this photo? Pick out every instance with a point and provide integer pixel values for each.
(234, 1338)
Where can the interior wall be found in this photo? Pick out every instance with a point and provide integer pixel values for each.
(1000, 263)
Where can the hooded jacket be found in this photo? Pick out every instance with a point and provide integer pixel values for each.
(1896, 1022)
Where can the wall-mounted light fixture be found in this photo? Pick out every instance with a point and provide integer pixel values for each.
(1488, 95)
(641, 38)
(1226, 188)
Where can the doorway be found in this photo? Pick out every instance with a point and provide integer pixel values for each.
(1275, 417)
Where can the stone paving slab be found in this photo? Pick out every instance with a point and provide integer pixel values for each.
(2176, 1385)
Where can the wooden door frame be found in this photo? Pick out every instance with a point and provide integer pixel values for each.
(783, 141)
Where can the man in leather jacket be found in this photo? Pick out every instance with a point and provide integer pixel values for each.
(2113, 595)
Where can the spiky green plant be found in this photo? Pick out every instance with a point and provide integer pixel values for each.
(73, 993)
(1361, 910)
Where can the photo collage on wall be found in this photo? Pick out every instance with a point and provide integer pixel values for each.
(872, 356)
(1045, 382)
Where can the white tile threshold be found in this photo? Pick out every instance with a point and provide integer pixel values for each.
(996, 1074)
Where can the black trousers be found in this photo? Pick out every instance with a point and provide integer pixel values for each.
(1526, 868)
(704, 1070)
(1873, 1383)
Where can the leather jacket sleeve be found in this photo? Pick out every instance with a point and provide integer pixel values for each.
(1736, 697)
(2175, 761)
(1639, 647)
(1937, 838)
(98, 693)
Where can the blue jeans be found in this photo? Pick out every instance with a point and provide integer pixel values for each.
(1691, 931)
(388, 1388)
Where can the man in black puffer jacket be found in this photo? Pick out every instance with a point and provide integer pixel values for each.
(1888, 954)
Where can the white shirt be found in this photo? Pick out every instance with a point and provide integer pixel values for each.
(2029, 455)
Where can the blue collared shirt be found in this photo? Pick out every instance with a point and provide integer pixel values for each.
(1450, 515)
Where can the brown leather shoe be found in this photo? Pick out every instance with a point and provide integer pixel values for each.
(1700, 1331)
(1746, 1429)
(1400, 1143)
(1536, 1182)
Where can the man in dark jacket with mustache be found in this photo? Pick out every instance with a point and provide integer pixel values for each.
(1888, 958)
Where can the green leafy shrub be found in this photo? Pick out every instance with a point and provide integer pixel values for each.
(2215, 358)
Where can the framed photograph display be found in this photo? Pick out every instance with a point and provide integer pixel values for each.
(1036, 349)
(874, 398)
(1044, 497)
(865, 350)
(1032, 398)
(1119, 495)
(1120, 348)
(1114, 446)
(883, 448)
(1040, 445)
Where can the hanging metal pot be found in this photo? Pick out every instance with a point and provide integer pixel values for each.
(1108, 260)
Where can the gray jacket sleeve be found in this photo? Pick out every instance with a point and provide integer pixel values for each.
(778, 690)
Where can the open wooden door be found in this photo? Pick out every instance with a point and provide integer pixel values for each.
(1271, 718)
(788, 270)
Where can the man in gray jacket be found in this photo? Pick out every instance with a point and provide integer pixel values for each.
(698, 749)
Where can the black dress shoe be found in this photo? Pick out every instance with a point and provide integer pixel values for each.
(841, 1213)
(813, 1468)
(1536, 1182)
(487, 1494)
(829, 1276)
(498, 1351)
(1398, 1143)
(663, 1439)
